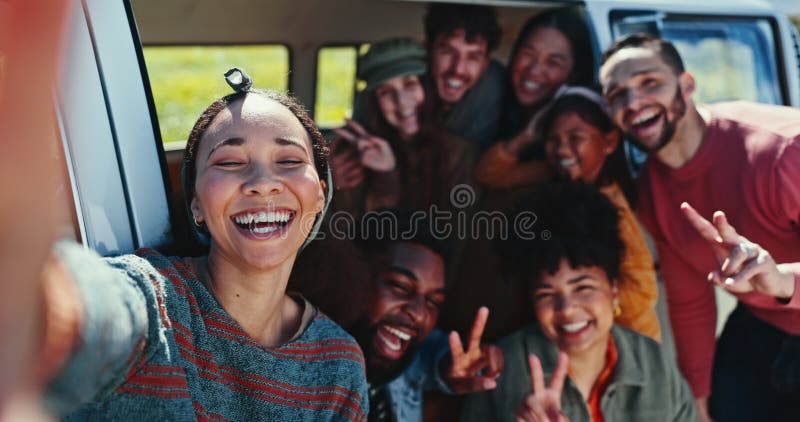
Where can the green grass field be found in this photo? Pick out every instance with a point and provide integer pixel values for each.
(186, 79)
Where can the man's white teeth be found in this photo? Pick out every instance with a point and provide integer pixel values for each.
(264, 217)
(644, 117)
(454, 83)
(401, 335)
(530, 85)
(574, 327)
(567, 162)
(395, 346)
(407, 114)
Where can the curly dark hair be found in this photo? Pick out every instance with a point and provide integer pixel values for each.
(381, 228)
(665, 49)
(476, 21)
(583, 228)
(189, 168)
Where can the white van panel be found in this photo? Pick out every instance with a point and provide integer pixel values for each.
(108, 134)
(130, 117)
(82, 114)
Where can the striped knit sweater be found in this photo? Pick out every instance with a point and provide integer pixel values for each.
(155, 345)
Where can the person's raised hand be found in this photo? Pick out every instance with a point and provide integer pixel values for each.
(543, 404)
(374, 152)
(477, 368)
(743, 265)
(348, 172)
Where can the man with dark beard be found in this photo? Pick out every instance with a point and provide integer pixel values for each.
(738, 159)
(404, 354)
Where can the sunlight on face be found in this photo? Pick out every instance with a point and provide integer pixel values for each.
(257, 188)
(644, 95)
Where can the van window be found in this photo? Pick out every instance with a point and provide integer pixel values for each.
(336, 84)
(186, 79)
(731, 58)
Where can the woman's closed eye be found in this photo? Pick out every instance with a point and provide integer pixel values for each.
(543, 295)
(555, 63)
(229, 163)
(291, 162)
(584, 288)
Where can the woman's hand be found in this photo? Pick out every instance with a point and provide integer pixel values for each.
(744, 266)
(464, 372)
(348, 172)
(543, 404)
(374, 152)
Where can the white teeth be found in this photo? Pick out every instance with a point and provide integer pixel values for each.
(567, 162)
(530, 85)
(264, 217)
(395, 346)
(574, 327)
(454, 83)
(401, 335)
(644, 117)
(264, 230)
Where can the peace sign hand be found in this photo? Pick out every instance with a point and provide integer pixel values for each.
(543, 404)
(463, 375)
(744, 266)
(375, 152)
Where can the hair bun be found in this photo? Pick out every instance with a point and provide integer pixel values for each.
(238, 80)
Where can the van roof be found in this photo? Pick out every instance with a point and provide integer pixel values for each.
(736, 6)
(720, 6)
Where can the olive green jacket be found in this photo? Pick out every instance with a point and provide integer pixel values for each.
(646, 385)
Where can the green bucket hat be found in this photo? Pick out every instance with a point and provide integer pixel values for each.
(390, 59)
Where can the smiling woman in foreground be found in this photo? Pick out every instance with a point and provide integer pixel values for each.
(595, 370)
(213, 337)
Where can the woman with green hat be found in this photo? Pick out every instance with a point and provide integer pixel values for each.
(394, 157)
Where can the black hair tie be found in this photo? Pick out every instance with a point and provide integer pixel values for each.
(238, 80)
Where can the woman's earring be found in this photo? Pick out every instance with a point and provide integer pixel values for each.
(197, 221)
(617, 308)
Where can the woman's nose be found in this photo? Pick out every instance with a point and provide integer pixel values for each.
(564, 304)
(406, 102)
(534, 69)
(260, 180)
